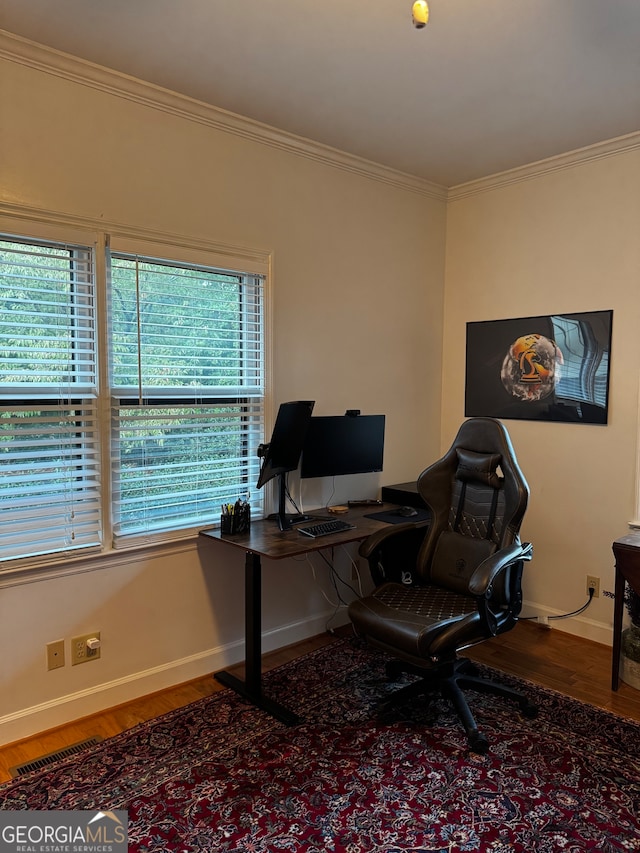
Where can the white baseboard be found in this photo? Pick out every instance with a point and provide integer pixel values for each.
(578, 626)
(65, 709)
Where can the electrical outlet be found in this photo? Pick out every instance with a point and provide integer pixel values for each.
(593, 583)
(55, 654)
(80, 652)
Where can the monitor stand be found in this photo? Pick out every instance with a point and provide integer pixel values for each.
(285, 522)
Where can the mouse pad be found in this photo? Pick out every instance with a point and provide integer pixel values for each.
(391, 516)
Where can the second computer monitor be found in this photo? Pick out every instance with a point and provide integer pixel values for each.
(343, 444)
(282, 454)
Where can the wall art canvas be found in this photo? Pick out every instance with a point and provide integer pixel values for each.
(549, 368)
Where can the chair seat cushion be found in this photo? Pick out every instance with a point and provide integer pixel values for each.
(408, 618)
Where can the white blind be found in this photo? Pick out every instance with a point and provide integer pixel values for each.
(49, 446)
(187, 385)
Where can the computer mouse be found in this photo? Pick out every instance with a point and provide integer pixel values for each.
(407, 511)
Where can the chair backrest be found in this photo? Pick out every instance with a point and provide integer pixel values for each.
(477, 495)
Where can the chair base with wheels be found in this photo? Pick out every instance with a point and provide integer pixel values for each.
(450, 682)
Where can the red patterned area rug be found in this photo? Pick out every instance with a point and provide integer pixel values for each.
(222, 775)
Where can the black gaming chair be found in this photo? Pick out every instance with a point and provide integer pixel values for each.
(457, 582)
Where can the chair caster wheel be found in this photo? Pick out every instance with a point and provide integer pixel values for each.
(529, 711)
(478, 743)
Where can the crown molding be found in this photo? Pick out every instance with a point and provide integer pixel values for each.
(578, 157)
(33, 55)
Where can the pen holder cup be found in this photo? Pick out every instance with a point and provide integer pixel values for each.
(236, 522)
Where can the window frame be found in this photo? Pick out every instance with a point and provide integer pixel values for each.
(170, 249)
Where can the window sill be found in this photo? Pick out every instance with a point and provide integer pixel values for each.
(65, 566)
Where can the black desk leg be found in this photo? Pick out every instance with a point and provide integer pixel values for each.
(251, 687)
(618, 603)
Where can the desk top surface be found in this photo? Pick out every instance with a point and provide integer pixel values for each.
(265, 538)
(630, 540)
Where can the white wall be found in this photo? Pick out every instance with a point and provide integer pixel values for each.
(357, 299)
(557, 241)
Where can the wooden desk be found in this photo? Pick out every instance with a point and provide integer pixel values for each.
(627, 554)
(265, 539)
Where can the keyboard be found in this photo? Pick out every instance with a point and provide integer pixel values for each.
(325, 528)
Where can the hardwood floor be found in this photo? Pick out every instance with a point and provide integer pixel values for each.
(570, 665)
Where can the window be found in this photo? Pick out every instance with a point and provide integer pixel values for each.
(153, 443)
(49, 473)
(187, 391)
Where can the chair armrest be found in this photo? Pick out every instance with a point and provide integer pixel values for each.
(392, 552)
(489, 569)
(373, 542)
(500, 614)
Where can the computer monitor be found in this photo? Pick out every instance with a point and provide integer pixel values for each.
(282, 453)
(343, 444)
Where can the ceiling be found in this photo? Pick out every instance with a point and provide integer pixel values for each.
(486, 86)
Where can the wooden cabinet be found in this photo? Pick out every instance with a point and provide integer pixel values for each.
(627, 553)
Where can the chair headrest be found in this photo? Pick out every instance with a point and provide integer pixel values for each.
(480, 468)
